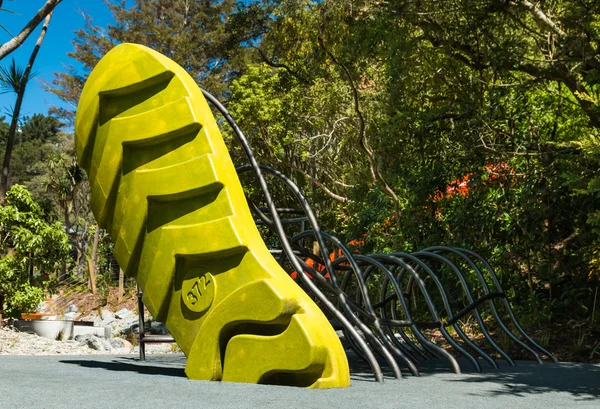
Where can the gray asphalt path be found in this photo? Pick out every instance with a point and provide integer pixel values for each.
(124, 382)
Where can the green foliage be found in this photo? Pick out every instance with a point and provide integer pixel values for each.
(37, 142)
(40, 128)
(4, 127)
(32, 250)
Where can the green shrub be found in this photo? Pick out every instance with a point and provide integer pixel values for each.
(31, 251)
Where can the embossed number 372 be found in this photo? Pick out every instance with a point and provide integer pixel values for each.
(197, 289)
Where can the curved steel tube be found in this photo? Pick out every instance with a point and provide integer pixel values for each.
(429, 303)
(447, 307)
(364, 259)
(511, 312)
(467, 292)
(486, 291)
(365, 352)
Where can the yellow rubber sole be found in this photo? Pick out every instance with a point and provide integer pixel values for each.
(165, 188)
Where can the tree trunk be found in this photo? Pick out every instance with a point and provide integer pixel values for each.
(10, 140)
(67, 231)
(65, 207)
(16, 41)
(92, 263)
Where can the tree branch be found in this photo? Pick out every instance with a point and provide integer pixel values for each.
(562, 74)
(539, 16)
(557, 71)
(362, 138)
(279, 65)
(321, 186)
(16, 41)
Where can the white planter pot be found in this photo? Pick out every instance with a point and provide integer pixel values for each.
(47, 329)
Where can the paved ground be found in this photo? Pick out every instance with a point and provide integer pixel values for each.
(124, 382)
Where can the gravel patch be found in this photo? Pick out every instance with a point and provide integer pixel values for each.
(13, 342)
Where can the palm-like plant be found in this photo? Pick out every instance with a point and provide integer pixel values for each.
(12, 78)
(15, 79)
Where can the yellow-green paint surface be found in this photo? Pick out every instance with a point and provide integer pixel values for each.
(165, 188)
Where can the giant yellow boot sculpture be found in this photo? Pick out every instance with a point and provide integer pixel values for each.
(165, 188)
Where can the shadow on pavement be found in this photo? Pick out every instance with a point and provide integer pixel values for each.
(361, 371)
(174, 366)
(128, 365)
(527, 378)
(580, 380)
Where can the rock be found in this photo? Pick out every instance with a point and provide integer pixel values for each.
(93, 342)
(123, 313)
(158, 328)
(120, 343)
(124, 326)
(71, 308)
(106, 314)
(107, 317)
(13, 342)
(71, 316)
(92, 317)
(131, 329)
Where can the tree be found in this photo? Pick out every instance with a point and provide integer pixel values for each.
(446, 92)
(16, 80)
(37, 140)
(40, 128)
(64, 185)
(194, 33)
(32, 250)
(548, 40)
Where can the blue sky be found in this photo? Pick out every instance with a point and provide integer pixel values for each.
(53, 54)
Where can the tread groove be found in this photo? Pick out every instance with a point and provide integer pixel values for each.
(164, 210)
(115, 102)
(136, 157)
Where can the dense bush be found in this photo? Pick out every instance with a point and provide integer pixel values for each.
(32, 251)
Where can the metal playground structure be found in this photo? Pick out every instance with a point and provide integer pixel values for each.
(377, 319)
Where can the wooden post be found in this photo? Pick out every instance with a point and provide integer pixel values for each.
(316, 248)
(1, 308)
(121, 284)
(91, 268)
(93, 261)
